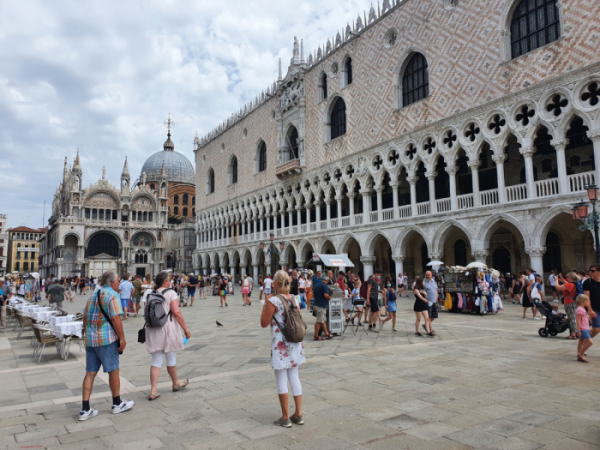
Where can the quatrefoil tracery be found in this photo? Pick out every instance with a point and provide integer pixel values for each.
(472, 132)
(411, 151)
(556, 105)
(592, 94)
(429, 146)
(449, 139)
(497, 124)
(393, 158)
(525, 115)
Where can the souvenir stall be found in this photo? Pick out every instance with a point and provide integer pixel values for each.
(471, 289)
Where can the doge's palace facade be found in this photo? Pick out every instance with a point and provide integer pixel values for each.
(431, 129)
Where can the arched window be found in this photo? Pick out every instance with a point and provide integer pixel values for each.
(210, 183)
(338, 118)
(176, 200)
(185, 212)
(186, 199)
(292, 143)
(233, 171)
(323, 86)
(262, 157)
(194, 200)
(460, 253)
(152, 186)
(415, 80)
(194, 212)
(176, 210)
(535, 23)
(348, 67)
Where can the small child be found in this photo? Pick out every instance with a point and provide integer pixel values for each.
(583, 327)
(555, 310)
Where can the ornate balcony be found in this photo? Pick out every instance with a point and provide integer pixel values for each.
(288, 168)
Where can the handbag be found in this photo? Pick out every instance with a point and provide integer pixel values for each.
(142, 334)
(108, 320)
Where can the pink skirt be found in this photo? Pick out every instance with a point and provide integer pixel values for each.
(245, 290)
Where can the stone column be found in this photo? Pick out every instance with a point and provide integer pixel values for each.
(290, 217)
(255, 276)
(561, 165)
(351, 197)
(268, 224)
(232, 270)
(379, 190)
(451, 170)
(243, 268)
(499, 161)
(261, 226)
(299, 264)
(595, 137)
(413, 195)
(299, 216)
(213, 269)
(399, 260)
(481, 256)
(528, 156)
(318, 214)
(368, 262)
(394, 185)
(338, 200)
(474, 165)
(536, 259)
(366, 201)
(431, 178)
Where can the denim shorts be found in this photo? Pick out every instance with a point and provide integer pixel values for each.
(585, 334)
(191, 291)
(595, 323)
(106, 355)
(124, 302)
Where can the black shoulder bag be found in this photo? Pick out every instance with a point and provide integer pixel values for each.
(109, 321)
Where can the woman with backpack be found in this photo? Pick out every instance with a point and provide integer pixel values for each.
(223, 289)
(568, 288)
(165, 341)
(390, 301)
(286, 356)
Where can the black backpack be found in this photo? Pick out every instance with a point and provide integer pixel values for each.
(154, 314)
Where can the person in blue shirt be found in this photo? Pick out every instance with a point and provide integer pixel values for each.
(125, 290)
(320, 303)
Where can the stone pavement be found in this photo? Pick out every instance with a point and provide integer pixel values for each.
(485, 382)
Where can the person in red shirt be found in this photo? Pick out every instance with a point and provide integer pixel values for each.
(567, 287)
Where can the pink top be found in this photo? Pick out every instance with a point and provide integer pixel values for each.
(585, 323)
(168, 337)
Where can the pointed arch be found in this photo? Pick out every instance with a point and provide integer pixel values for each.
(437, 243)
(487, 229)
(372, 239)
(405, 235)
(233, 170)
(545, 223)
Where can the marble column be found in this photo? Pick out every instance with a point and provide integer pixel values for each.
(451, 170)
(431, 178)
(379, 190)
(255, 275)
(399, 261)
(394, 185)
(474, 166)
(481, 256)
(299, 216)
(536, 259)
(367, 262)
(290, 219)
(561, 164)
(595, 138)
(243, 268)
(413, 195)
(318, 214)
(366, 201)
(351, 201)
(530, 180)
(499, 161)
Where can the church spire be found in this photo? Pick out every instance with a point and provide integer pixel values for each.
(125, 173)
(168, 145)
(77, 163)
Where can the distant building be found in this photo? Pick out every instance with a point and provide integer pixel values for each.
(3, 244)
(136, 228)
(24, 249)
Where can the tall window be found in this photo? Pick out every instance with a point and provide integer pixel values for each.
(194, 200)
(534, 24)
(415, 81)
(176, 210)
(323, 86)
(293, 144)
(338, 119)
(185, 212)
(186, 199)
(348, 71)
(176, 200)
(210, 184)
(262, 157)
(233, 171)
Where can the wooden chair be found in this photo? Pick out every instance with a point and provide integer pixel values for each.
(43, 337)
(23, 322)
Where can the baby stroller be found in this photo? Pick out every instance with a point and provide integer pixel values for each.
(555, 323)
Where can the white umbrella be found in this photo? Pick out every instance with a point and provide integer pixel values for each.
(435, 263)
(476, 265)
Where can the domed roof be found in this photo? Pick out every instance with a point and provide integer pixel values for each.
(177, 167)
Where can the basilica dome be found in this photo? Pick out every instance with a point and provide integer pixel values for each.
(177, 167)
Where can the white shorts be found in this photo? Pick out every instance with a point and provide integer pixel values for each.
(267, 290)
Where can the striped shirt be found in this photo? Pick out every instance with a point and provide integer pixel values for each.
(98, 331)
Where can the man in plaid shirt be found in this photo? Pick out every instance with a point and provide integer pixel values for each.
(105, 340)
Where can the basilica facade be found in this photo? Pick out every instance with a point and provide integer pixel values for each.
(432, 129)
(138, 227)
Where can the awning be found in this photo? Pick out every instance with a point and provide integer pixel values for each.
(334, 260)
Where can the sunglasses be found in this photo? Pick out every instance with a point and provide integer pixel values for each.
(593, 270)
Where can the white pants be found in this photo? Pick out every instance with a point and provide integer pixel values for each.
(157, 359)
(282, 377)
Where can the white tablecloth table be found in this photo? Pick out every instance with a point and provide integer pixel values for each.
(61, 319)
(43, 315)
(68, 329)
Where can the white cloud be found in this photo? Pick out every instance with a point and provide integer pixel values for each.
(102, 76)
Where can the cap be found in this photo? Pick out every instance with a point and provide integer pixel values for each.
(325, 277)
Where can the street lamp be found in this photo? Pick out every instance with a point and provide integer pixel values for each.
(589, 221)
(272, 250)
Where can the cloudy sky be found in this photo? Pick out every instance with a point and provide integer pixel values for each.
(102, 77)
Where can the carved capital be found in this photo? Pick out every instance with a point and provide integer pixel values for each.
(367, 259)
(527, 152)
(451, 170)
(536, 252)
(379, 188)
(499, 159)
(480, 255)
(474, 164)
(411, 179)
(351, 195)
(437, 256)
(559, 144)
(398, 258)
(594, 135)
(243, 266)
(431, 175)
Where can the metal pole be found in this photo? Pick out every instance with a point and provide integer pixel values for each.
(595, 219)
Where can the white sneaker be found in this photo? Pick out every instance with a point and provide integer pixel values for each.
(124, 406)
(85, 415)
(555, 301)
(536, 318)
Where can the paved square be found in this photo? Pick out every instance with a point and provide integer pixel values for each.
(484, 382)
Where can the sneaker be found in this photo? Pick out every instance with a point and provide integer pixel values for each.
(298, 420)
(124, 406)
(85, 415)
(418, 335)
(555, 301)
(381, 325)
(286, 423)
(536, 318)
(430, 335)
(393, 329)
(352, 321)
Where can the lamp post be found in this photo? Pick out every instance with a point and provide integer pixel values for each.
(272, 250)
(589, 221)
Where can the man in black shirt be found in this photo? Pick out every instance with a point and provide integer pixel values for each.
(294, 285)
(372, 301)
(591, 288)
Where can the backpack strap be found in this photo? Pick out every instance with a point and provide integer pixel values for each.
(286, 307)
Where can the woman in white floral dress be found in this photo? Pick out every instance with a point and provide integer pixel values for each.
(286, 357)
